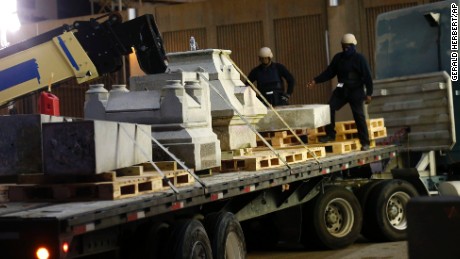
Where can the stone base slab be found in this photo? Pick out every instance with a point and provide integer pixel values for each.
(309, 116)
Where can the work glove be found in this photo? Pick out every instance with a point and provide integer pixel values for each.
(368, 99)
(285, 99)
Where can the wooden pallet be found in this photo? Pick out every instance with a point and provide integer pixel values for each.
(350, 126)
(314, 135)
(286, 141)
(341, 147)
(258, 163)
(283, 138)
(227, 155)
(345, 126)
(376, 123)
(373, 134)
(318, 131)
(378, 133)
(128, 187)
(123, 183)
(301, 154)
(250, 163)
(314, 139)
(281, 133)
(266, 159)
(346, 130)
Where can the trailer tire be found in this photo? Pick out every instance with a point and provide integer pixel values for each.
(332, 220)
(188, 240)
(364, 192)
(226, 235)
(385, 216)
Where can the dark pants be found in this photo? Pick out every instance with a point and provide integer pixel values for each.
(354, 97)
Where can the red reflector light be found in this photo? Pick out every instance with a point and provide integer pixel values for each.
(65, 247)
(42, 253)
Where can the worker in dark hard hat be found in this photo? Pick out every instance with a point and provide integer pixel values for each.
(269, 77)
(352, 73)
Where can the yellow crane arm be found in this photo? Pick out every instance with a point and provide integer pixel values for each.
(85, 50)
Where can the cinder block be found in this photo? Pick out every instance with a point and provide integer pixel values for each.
(21, 143)
(93, 147)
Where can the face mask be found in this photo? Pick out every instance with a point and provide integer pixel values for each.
(349, 50)
(264, 61)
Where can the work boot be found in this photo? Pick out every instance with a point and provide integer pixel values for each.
(365, 147)
(325, 139)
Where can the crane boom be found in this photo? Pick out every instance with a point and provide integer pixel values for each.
(84, 50)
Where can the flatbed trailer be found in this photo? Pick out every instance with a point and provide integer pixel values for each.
(325, 202)
(79, 229)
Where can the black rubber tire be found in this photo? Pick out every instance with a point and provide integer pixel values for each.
(226, 235)
(342, 209)
(188, 240)
(385, 211)
(363, 193)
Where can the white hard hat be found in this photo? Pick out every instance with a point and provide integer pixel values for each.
(349, 39)
(265, 52)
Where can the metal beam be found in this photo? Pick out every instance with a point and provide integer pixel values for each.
(273, 199)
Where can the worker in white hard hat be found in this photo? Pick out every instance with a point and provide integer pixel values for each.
(269, 76)
(352, 73)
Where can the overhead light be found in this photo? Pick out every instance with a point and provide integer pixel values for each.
(433, 18)
(9, 16)
(333, 2)
(131, 13)
(9, 20)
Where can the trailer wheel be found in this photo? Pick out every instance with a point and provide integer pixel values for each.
(226, 235)
(364, 192)
(189, 240)
(385, 216)
(332, 220)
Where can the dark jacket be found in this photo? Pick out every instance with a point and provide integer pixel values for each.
(352, 71)
(270, 78)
